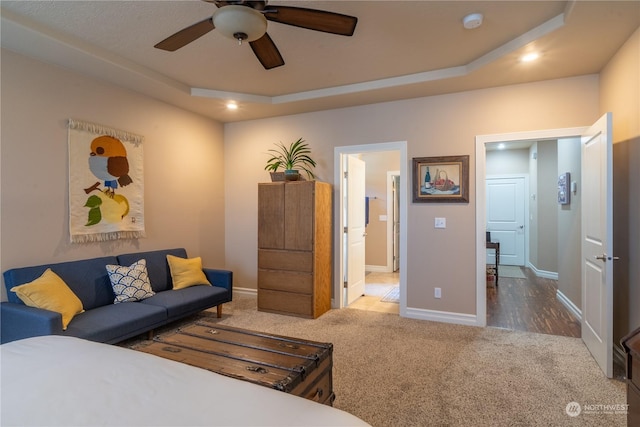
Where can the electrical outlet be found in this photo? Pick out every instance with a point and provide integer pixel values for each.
(438, 293)
(440, 223)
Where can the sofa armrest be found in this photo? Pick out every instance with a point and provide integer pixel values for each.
(19, 321)
(221, 278)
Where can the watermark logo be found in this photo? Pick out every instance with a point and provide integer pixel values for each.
(573, 409)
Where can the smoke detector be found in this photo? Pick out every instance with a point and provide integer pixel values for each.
(472, 21)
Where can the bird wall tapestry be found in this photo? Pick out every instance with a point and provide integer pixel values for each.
(106, 188)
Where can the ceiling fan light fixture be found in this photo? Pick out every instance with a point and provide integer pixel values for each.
(240, 23)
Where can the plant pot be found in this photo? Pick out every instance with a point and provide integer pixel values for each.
(291, 175)
(277, 176)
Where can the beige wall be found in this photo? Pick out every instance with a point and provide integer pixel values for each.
(183, 167)
(434, 126)
(568, 239)
(547, 200)
(507, 162)
(620, 94)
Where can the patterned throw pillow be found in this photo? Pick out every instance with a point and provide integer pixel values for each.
(130, 283)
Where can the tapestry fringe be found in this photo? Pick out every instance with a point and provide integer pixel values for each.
(104, 237)
(104, 130)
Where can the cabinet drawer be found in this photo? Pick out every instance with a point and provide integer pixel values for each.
(285, 302)
(288, 281)
(285, 260)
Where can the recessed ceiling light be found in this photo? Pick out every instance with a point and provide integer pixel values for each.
(501, 146)
(472, 21)
(530, 57)
(231, 105)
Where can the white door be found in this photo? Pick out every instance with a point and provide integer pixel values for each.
(396, 222)
(355, 228)
(506, 219)
(597, 243)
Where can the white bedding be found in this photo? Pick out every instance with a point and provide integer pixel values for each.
(55, 380)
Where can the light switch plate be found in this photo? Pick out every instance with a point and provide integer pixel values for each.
(441, 223)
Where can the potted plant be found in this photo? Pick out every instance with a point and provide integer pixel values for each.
(292, 159)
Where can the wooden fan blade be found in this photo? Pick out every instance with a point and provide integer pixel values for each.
(267, 52)
(312, 19)
(186, 35)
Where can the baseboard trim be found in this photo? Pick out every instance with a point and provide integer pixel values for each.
(442, 316)
(542, 273)
(245, 291)
(569, 305)
(377, 268)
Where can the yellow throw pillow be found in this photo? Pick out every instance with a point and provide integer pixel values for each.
(49, 292)
(186, 272)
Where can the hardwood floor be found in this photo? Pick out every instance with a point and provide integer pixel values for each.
(529, 305)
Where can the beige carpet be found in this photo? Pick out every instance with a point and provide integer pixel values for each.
(392, 371)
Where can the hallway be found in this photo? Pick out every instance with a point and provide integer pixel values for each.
(531, 305)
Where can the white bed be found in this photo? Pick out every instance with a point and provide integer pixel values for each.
(55, 380)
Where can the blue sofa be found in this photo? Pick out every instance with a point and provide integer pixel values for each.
(102, 320)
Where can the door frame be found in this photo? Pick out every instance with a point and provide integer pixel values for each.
(338, 248)
(481, 202)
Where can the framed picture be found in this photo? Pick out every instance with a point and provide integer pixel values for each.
(441, 179)
(564, 195)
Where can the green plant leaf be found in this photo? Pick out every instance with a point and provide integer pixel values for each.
(93, 201)
(95, 216)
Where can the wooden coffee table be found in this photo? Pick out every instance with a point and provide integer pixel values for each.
(300, 367)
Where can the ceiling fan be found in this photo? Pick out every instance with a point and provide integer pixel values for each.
(244, 20)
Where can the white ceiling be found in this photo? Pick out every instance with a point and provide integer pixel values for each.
(400, 50)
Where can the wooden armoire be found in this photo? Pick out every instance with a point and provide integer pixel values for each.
(294, 248)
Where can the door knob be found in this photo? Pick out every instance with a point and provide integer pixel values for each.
(604, 257)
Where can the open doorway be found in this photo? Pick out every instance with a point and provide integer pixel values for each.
(595, 248)
(385, 231)
(382, 262)
(524, 220)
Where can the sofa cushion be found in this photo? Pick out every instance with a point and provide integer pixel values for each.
(49, 292)
(116, 322)
(183, 302)
(87, 279)
(186, 272)
(157, 267)
(130, 283)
